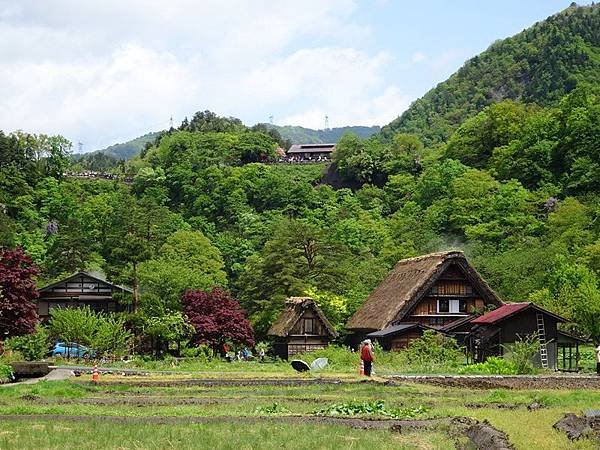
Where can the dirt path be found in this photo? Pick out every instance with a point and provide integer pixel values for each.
(53, 375)
(209, 382)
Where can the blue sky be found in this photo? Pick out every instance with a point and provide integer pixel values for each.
(101, 72)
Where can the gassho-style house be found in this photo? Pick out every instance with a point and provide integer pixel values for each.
(301, 327)
(443, 292)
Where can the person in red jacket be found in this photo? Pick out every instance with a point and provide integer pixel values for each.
(367, 356)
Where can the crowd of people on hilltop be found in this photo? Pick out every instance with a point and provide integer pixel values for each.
(300, 159)
(94, 175)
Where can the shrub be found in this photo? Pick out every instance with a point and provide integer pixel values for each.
(32, 346)
(104, 333)
(202, 352)
(433, 349)
(522, 353)
(492, 366)
(6, 373)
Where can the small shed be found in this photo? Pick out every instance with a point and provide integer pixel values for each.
(398, 337)
(301, 327)
(494, 331)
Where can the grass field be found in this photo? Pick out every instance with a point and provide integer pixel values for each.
(129, 412)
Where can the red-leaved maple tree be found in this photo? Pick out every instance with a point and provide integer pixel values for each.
(217, 318)
(18, 312)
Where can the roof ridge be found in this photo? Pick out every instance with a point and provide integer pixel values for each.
(445, 254)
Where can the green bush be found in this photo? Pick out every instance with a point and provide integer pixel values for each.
(522, 353)
(492, 366)
(102, 332)
(201, 352)
(33, 346)
(433, 349)
(6, 373)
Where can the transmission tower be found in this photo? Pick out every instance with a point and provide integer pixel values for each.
(80, 147)
(326, 122)
(271, 119)
(170, 122)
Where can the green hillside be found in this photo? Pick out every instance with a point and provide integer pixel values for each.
(129, 149)
(540, 65)
(301, 135)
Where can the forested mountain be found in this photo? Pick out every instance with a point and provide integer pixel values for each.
(539, 65)
(515, 184)
(125, 150)
(301, 135)
(109, 157)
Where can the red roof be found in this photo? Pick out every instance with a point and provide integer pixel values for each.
(502, 312)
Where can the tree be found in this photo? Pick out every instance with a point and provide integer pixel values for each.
(18, 292)
(217, 318)
(187, 260)
(166, 328)
(104, 333)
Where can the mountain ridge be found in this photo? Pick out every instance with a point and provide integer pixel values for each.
(539, 65)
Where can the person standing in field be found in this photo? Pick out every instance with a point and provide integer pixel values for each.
(367, 356)
(598, 359)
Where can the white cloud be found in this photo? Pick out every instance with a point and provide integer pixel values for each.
(106, 71)
(418, 57)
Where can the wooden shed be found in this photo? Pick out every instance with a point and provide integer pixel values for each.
(432, 290)
(494, 332)
(301, 327)
(82, 289)
(398, 336)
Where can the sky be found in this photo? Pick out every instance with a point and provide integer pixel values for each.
(105, 71)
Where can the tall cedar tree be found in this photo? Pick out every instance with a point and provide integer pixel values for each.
(217, 318)
(18, 292)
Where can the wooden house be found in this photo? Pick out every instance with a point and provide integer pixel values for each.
(301, 327)
(82, 289)
(432, 291)
(311, 151)
(493, 333)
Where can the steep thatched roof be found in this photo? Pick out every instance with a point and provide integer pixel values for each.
(407, 283)
(293, 311)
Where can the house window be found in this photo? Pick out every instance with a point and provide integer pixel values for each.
(309, 326)
(443, 305)
(452, 306)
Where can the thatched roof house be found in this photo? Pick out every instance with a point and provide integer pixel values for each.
(433, 290)
(301, 327)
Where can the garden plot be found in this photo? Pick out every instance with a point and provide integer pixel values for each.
(264, 415)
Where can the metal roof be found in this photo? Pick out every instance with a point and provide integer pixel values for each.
(395, 329)
(311, 148)
(508, 310)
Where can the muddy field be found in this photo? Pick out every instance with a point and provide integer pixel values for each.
(455, 412)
